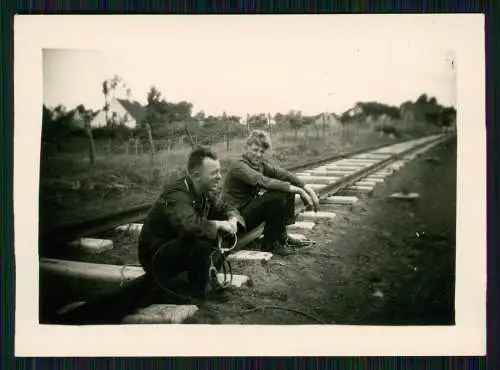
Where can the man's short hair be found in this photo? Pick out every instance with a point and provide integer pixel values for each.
(259, 137)
(197, 156)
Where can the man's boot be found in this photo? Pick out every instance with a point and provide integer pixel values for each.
(278, 247)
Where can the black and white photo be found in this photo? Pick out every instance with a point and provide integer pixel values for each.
(287, 173)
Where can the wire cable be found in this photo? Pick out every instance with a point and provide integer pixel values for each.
(261, 308)
(227, 270)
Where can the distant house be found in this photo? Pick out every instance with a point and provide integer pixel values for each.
(76, 119)
(327, 119)
(121, 111)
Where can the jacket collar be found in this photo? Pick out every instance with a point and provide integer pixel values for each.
(252, 164)
(198, 197)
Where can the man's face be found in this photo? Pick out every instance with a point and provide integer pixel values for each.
(209, 176)
(255, 152)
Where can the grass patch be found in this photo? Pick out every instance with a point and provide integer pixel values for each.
(72, 189)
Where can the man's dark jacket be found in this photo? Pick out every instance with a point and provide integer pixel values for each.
(181, 213)
(245, 179)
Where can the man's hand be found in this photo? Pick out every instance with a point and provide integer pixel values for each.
(313, 196)
(229, 227)
(234, 223)
(306, 199)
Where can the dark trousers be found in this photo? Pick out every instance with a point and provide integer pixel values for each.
(169, 259)
(276, 209)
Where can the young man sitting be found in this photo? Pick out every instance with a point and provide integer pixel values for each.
(243, 186)
(181, 229)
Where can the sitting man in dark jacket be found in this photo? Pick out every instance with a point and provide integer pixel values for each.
(181, 228)
(243, 188)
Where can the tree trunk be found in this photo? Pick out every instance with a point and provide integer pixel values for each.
(108, 147)
(90, 137)
(228, 135)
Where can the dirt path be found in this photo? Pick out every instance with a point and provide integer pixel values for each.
(383, 262)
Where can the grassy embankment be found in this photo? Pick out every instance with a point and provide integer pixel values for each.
(71, 188)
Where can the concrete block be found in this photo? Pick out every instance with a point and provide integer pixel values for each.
(339, 199)
(344, 169)
(301, 225)
(384, 172)
(371, 156)
(319, 168)
(375, 180)
(351, 165)
(316, 186)
(238, 280)
(130, 229)
(303, 174)
(360, 188)
(319, 179)
(320, 215)
(161, 314)
(247, 255)
(299, 237)
(333, 173)
(92, 245)
(363, 160)
(365, 182)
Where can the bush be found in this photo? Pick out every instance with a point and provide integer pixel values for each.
(119, 132)
(388, 128)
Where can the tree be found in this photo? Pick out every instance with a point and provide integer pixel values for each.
(153, 108)
(111, 88)
(422, 99)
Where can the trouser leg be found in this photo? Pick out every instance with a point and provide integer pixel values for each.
(274, 208)
(172, 258)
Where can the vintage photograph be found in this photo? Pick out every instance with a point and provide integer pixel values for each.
(268, 175)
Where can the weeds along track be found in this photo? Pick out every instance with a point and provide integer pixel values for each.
(53, 238)
(88, 292)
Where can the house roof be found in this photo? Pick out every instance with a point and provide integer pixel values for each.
(134, 108)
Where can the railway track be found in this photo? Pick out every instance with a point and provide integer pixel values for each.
(102, 293)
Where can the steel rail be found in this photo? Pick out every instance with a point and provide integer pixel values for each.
(119, 303)
(74, 230)
(337, 186)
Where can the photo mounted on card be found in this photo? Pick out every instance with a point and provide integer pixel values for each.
(301, 185)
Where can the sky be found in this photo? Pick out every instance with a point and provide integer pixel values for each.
(250, 64)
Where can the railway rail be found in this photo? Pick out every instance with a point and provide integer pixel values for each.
(56, 236)
(339, 181)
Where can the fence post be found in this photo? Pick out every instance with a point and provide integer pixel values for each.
(151, 142)
(136, 146)
(228, 136)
